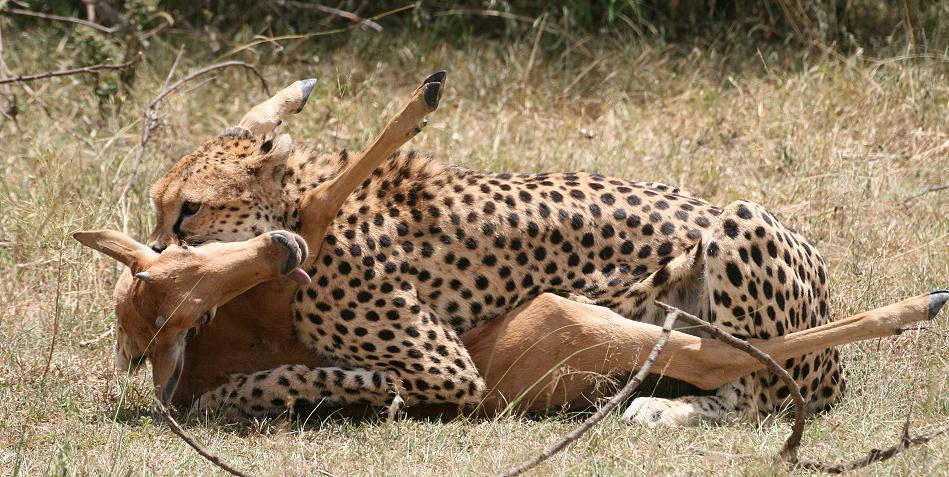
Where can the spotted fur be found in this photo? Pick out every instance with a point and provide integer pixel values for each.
(423, 252)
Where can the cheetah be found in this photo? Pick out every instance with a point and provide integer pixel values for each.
(416, 257)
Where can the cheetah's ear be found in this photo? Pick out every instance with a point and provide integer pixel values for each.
(270, 161)
(276, 149)
(119, 246)
(266, 116)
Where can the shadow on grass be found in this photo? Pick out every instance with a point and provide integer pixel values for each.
(308, 416)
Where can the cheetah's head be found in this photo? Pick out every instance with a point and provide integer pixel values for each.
(226, 190)
(230, 189)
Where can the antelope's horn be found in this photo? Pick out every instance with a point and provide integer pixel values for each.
(264, 117)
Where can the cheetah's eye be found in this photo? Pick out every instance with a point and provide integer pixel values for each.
(190, 208)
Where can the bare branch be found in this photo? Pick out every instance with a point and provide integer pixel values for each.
(608, 407)
(56, 313)
(306, 36)
(74, 71)
(174, 67)
(207, 69)
(335, 11)
(550, 28)
(200, 449)
(46, 16)
(151, 114)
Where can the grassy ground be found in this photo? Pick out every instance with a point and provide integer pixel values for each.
(842, 148)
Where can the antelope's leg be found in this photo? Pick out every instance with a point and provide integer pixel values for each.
(523, 354)
(319, 207)
(264, 117)
(540, 356)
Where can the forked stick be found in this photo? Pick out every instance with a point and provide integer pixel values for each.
(793, 442)
(320, 206)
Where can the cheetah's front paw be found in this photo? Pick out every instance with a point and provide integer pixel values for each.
(218, 401)
(654, 412)
(209, 402)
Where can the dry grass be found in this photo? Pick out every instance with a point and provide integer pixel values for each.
(835, 146)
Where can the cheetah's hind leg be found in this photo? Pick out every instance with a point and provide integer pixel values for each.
(761, 281)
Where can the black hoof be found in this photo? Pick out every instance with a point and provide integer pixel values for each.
(437, 77)
(306, 87)
(433, 94)
(937, 299)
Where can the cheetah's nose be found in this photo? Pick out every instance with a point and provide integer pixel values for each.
(158, 248)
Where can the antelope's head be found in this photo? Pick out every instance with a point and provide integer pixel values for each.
(178, 290)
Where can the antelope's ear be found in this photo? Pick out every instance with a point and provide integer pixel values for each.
(119, 246)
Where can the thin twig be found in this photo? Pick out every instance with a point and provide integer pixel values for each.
(874, 455)
(46, 16)
(75, 71)
(207, 69)
(56, 313)
(199, 85)
(497, 14)
(4, 73)
(200, 449)
(306, 36)
(174, 67)
(789, 451)
(335, 11)
(151, 113)
(927, 191)
(607, 408)
(105, 334)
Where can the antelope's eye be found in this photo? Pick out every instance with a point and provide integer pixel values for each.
(266, 147)
(190, 208)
